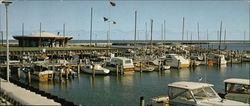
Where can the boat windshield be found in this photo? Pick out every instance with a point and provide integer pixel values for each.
(204, 93)
(238, 88)
(128, 61)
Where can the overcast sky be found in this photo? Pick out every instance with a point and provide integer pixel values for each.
(76, 15)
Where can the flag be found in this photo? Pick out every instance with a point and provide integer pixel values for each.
(105, 19)
(112, 3)
(114, 22)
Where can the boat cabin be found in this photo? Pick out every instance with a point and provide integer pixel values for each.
(195, 93)
(237, 89)
(127, 63)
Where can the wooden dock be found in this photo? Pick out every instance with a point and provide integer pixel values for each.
(23, 96)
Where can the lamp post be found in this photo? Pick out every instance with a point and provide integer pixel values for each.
(7, 3)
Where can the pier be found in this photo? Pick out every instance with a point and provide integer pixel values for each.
(23, 96)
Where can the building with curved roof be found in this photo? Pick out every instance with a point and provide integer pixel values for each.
(43, 39)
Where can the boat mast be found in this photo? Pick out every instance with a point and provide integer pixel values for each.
(135, 30)
(1, 32)
(207, 40)
(151, 37)
(146, 31)
(22, 37)
(183, 19)
(220, 37)
(164, 25)
(198, 33)
(225, 34)
(244, 37)
(162, 34)
(91, 22)
(40, 39)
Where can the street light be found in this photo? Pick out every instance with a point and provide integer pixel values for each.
(7, 3)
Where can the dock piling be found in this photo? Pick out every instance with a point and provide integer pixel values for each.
(117, 69)
(141, 101)
(67, 73)
(18, 73)
(140, 66)
(29, 76)
(178, 67)
(93, 70)
(122, 69)
(78, 69)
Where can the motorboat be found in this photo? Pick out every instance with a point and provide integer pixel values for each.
(46, 75)
(177, 61)
(97, 68)
(186, 93)
(237, 89)
(41, 72)
(126, 65)
(246, 58)
(218, 59)
(144, 67)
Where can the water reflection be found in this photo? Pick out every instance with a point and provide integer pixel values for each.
(106, 81)
(92, 81)
(46, 85)
(181, 74)
(127, 80)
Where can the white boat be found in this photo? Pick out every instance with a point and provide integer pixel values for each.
(237, 89)
(46, 75)
(126, 63)
(218, 59)
(246, 58)
(185, 93)
(98, 69)
(177, 61)
(161, 61)
(144, 67)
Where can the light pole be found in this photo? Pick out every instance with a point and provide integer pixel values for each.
(7, 3)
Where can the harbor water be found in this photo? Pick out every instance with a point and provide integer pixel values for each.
(127, 89)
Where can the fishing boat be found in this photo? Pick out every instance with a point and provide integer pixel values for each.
(246, 58)
(160, 63)
(177, 61)
(237, 89)
(97, 68)
(144, 67)
(218, 59)
(46, 75)
(185, 93)
(66, 71)
(126, 64)
(41, 72)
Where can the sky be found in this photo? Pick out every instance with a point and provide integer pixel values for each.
(75, 14)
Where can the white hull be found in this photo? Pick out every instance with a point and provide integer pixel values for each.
(98, 70)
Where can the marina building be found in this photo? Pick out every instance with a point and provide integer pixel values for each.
(43, 39)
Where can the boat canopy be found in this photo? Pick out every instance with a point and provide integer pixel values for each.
(189, 85)
(238, 81)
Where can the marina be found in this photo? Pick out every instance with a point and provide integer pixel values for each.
(180, 59)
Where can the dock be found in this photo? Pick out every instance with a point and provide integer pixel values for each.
(23, 96)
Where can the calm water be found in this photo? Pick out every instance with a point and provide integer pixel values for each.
(127, 89)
